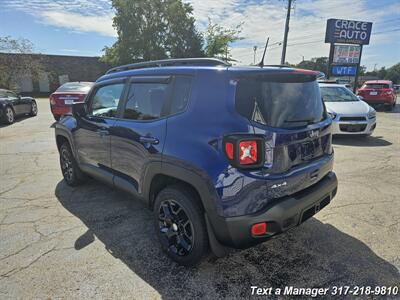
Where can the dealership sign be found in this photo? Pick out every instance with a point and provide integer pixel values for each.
(348, 32)
(346, 54)
(344, 70)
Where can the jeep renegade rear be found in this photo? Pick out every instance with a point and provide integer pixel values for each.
(226, 157)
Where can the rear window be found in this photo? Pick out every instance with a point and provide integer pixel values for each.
(280, 103)
(83, 87)
(337, 94)
(376, 86)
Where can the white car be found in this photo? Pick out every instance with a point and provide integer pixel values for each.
(349, 114)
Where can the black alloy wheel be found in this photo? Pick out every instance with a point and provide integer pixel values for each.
(70, 170)
(175, 228)
(180, 224)
(67, 167)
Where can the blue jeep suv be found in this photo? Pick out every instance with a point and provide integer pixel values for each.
(225, 157)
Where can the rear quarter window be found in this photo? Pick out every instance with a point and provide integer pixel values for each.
(180, 94)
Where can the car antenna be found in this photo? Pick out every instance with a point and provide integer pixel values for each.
(261, 63)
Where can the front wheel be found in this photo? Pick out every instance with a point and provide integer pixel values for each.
(180, 225)
(69, 167)
(9, 115)
(34, 109)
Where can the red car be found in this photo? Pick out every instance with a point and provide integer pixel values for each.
(66, 95)
(378, 92)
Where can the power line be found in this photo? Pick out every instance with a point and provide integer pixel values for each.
(392, 30)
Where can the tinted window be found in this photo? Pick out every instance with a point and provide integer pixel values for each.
(11, 94)
(181, 94)
(280, 104)
(105, 100)
(337, 94)
(83, 87)
(376, 86)
(145, 101)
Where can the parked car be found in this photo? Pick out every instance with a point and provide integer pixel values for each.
(378, 92)
(349, 114)
(397, 88)
(224, 156)
(66, 95)
(13, 105)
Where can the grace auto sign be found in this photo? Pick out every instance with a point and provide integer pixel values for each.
(348, 32)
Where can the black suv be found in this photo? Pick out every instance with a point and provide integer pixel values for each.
(226, 157)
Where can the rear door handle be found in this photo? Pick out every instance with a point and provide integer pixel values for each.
(148, 140)
(103, 132)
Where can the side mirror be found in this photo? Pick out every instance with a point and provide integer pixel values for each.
(79, 109)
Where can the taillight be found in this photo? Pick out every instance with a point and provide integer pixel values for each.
(245, 151)
(389, 92)
(52, 100)
(229, 150)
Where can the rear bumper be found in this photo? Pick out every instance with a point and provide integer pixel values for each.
(382, 101)
(281, 215)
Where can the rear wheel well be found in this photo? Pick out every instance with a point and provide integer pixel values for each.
(60, 140)
(161, 181)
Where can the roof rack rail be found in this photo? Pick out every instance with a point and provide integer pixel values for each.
(171, 62)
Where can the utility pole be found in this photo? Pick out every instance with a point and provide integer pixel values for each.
(255, 51)
(283, 57)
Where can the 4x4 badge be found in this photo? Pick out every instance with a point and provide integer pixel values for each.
(277, 185)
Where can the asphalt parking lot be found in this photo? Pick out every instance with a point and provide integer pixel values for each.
(95, 242)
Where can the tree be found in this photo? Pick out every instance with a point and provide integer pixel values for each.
(16, 61)
(316, 63)
(218, 39)
(393, 73)
(153, 29)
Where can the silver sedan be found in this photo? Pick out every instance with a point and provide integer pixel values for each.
(350, 115)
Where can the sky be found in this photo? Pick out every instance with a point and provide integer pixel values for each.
(84, 27)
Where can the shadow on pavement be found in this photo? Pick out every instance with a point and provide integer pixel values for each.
(395, 110)
(16, 120)
(312, 255)
(360, 141)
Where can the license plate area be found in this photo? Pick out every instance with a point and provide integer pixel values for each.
(309, 149)
(373, 93)
(68, 102)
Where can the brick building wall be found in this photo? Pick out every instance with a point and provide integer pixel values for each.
(55, 70)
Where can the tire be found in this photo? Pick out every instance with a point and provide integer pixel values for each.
(34, 109)
(389, 107)
(9, 115)
(180, 225)
(70, 170)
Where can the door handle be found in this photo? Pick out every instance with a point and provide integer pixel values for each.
(148, 140)
(103, 132)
